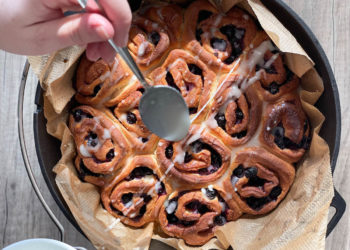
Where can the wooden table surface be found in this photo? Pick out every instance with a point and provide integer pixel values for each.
(21, 214)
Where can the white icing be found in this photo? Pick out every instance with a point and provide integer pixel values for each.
(106, 134)
(204, 191)
(133, 215)
(171, 207)
(271, 60)
(129, 204)
(211, 122)
(158, 187)
(234, 180)
(210, 188)
(223, 206)
(142, 49)
(84, 151)
(148, 178)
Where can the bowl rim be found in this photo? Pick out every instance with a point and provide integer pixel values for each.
(289, 15)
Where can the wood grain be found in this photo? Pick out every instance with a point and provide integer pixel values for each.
(21, 214)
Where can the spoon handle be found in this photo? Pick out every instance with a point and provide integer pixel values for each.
(124, 53)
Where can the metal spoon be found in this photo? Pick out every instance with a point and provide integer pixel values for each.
(162, 108)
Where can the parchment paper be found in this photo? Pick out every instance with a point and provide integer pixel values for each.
(299, 222)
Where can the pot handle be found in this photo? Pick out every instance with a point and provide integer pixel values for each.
(24, 151)
(339, 204)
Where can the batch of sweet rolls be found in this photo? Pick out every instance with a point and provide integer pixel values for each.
(241, 151)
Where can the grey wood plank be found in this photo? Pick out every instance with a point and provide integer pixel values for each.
(21, 214)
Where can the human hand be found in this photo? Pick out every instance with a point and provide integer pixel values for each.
(35, 27)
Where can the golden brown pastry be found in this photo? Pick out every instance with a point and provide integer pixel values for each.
(276, 79)
(218, 39)
(125, 108)
(188, 75)
(239, 153)
(286, 130)
(136, 195)
(154, 33)
(100, 144)
(258, 180)
(235, 116)
(194, 215)
(199, 158)
(97, 81)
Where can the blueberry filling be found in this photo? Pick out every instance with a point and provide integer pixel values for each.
(131, 118)
(146, 198)
(215, 157)
(144, 140)
(275, 192)
(188, 157)
(256, 182)
(284, 142)
(258, 203)
(170, 80)
(240, 135)
(110, 155)
(196, 207)
(251, 172)
(84, 171)
(220, 220)
(199, 32)
(92, 139)
(78, 114)
(221, 120)
(161, 190)
(192, 110)
(139, 172)
(219, 44)
(239, 171)
(127, 198)
(273, 88)
(210, 193)
(169, 151)
(96, 90)
(235, 36)
(194, 69)
(239, 115)
(154, 37)
(203, 15)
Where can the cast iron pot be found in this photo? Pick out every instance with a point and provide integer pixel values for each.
(48, 148)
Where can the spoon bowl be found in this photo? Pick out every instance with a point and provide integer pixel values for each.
(164, 111)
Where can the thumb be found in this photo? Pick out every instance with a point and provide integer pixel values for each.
(79, 29)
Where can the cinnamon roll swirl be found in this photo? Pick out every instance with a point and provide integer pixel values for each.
(154, 33)
(286, 130)
(276, 79)
(100, 144)
(218, 39)
(136, 195)
(235, 116)
(188, 75)
(199, 158)
(97, 81)
(258, 180)
(125, 107)
(193, 215)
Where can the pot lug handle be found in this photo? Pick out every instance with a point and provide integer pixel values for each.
(339, 204)
(24, 151)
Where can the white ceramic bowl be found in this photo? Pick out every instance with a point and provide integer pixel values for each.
(39, 244)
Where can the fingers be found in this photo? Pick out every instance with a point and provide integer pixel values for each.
(119, 13)
(78, 29)
(103, 50)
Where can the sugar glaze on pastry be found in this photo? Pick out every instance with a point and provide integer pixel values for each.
(238, 156)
